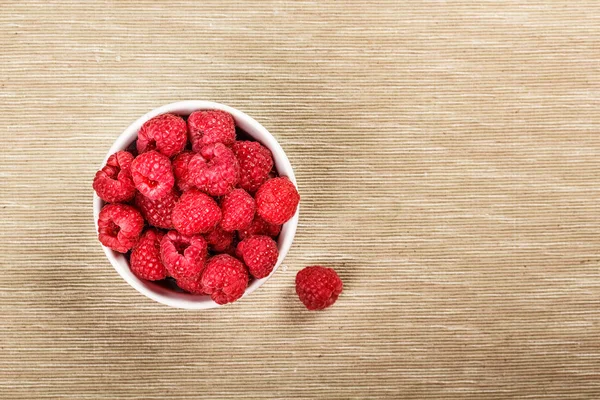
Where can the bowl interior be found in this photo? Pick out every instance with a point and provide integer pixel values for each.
(159, 292)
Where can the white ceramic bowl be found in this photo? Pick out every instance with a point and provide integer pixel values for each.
(165, 295)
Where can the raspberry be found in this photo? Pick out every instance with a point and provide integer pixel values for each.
(225, 278)
(182, 172)
(215, 170)
(318, 287)
(231, 250)
(166, 133)
(255, 164)
(152, 175)
(219, 240)
(195, 212)
(259, 254)
(113, 183)
(119, 227)
(183, 256)
(260, 227)
(211, 126)
(145, 261)
(157, 212)
(276, 200)
(238, 210)
(191, 285)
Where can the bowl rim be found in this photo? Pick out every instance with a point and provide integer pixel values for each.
(282, 164)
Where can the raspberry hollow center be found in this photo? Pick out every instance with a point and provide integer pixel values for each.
(115, 172)
(181, 247)
(151, 183)
(113, 229)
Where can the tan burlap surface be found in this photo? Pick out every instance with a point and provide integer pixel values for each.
(447, 154)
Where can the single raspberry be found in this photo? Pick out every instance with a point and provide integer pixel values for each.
(225, 278)
(113, 183)
(152, 175)
(215, 170)
(210, 126)
(318, 287)
(166, 133)
(157, 212)
(219, 240)
(238, 210)
(119, 227)
(259, 253)
(255, 164)
(145, 261)
(182, 171)
(183, 256)
(260, 227)
(195, 212)
(277, 200)
(191, 285)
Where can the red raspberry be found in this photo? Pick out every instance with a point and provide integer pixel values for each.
(157, 212)
(166, 133)
(215, 170)
(113, 183)
(152, 175)
(119, 227)
(191, 285)
(145, 261)
(255, 164)
(260, 227)
(231, 250)
(318, 287)
(259, 254)
(225, 278)
(195, 212)
(238, 210)
(211, 126)
(277, 200)
(219, 240)
(183, 256)
(182, 172)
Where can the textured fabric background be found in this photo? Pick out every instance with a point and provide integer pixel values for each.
(447, 154)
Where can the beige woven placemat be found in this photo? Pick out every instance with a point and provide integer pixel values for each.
(447, 153)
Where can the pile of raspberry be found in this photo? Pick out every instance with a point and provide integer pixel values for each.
(190, 202)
